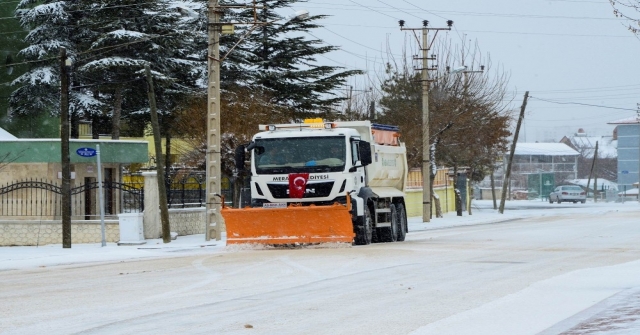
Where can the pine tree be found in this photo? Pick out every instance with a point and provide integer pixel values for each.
(130, 34)
(281, 60)
(50, 26)
(109, 42)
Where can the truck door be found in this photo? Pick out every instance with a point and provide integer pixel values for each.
(359, 176)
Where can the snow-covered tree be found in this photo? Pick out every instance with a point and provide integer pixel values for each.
(50, 25)
(130, 34)
(109, 42)
(281, 59)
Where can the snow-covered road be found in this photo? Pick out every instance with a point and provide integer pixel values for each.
(552, 270)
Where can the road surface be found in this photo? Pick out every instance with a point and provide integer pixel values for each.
(547, 275)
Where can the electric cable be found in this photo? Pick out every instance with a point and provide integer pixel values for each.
(582, 104)
(377, 11)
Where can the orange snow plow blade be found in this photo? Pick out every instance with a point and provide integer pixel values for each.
(290, 225)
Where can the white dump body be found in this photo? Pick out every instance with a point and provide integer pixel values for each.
(387, 173)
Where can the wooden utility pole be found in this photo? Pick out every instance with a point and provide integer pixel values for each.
(349, 115)
(595, 181)
(507, 174)
(162, 190)
(65, 161)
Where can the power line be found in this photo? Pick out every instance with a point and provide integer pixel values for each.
(600, 97)
(377, 11)
(434, 12)
(599, 89)
(399, 9)
(578, 103)
(352, 41)
(488, 31)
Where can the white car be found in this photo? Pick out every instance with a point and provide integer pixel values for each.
(571, 193)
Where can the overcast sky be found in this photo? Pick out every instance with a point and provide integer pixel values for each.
(565, 51)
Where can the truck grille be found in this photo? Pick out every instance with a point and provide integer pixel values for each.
(314, 190)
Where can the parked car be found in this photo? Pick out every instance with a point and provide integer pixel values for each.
(571, 193)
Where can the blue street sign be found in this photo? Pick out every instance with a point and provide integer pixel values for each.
(86, 152)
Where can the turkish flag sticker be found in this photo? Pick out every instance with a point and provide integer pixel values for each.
(297, 184)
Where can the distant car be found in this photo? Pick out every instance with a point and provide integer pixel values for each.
(570, 193)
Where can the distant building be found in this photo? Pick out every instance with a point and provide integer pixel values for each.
(585, 144)
(628, 132)
(533, 162)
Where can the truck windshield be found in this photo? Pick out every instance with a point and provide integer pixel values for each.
(300, 154)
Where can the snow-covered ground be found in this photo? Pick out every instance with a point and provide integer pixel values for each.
(599, 300)
(482, 212)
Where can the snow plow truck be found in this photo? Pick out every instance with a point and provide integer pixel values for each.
(322, 182)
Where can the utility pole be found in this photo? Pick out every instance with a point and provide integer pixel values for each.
(349, 116)
(593, 165)
(507, 175)
(425, 46)
(64, 150)
(214, 221)
(213, 216)
(595, 175)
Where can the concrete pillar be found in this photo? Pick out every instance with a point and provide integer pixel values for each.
(151, 221)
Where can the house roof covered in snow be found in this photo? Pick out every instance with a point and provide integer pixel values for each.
(607, 146)
(545, 149)
(629, 120)
(5, 135)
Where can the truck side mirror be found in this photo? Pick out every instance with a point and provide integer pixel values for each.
(239, 158)
(365, 152)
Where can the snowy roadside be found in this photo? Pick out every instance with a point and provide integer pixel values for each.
(482, 213)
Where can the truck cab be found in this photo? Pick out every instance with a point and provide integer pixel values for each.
(332, 158)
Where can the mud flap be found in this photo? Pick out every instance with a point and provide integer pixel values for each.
(290, 225)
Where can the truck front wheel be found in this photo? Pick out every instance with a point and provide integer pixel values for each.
(364, 231)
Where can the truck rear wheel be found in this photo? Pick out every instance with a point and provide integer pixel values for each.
(364, 231)
(402, 222)
(390, 234)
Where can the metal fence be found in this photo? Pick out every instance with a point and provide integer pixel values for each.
(41, 198)
(186, 190)
(186, 193)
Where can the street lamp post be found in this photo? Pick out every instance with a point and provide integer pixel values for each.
(426, 162)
